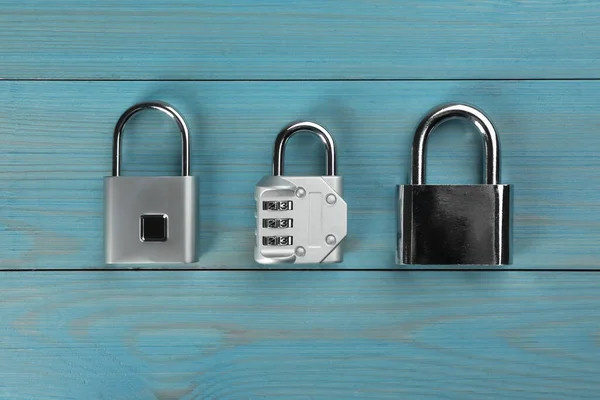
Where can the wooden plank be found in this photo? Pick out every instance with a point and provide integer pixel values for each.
(57, 136)
(298, 335)
(154, 39)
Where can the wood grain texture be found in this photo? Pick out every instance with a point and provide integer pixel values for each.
(299, 335)
(368, 70)
(57, 139)
(357, 39)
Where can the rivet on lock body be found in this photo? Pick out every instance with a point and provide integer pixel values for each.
(300, 219)
(454, 224)
(150, 219)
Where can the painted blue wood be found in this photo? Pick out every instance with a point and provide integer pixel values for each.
(299, 335)
(57, 141)
(296, 335)
(312, 39)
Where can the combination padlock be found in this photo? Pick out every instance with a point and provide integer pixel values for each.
(300, 219)
(150, 219)
(454, 224)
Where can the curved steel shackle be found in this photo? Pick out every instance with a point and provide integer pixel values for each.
(289, 131)
(442, 114)
(160, 106)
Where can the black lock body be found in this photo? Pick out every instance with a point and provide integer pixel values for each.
(454, 224)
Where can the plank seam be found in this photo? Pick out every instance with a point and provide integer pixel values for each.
(395, 270)
(303, 80)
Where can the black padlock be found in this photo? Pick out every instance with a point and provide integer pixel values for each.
(454, 224)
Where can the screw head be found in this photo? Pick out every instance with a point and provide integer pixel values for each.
(300, 251)
(300, 192)
(331, 199)
(330, 240)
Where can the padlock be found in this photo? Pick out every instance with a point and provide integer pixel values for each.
(454, 224)
(150, 219)
(300, 219)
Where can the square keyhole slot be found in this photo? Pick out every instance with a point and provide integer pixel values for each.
(153, 228)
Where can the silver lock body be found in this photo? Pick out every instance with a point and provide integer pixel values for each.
(127, 199)
(300, 219)
(150, 219)
(454, 224)
(315, 220)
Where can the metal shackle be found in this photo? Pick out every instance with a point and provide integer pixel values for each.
(160, 106)
(289, 131)
(443, 113)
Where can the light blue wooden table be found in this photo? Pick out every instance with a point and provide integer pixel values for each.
(226, 328)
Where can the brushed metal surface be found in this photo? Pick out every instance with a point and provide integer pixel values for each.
(128, 198)
(314, 219)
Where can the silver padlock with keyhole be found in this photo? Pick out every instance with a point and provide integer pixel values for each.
(300, 219)
(454, 224)
(150, 219)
